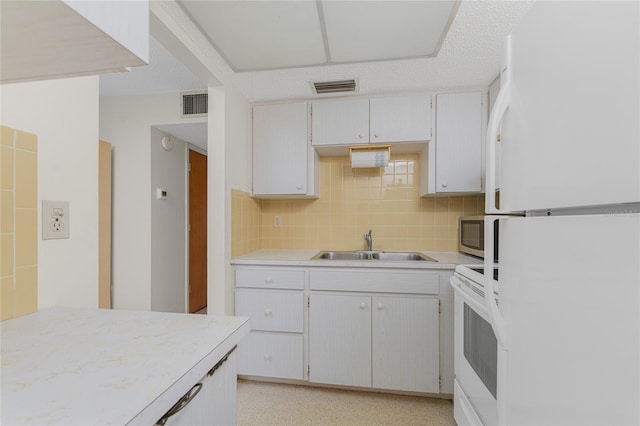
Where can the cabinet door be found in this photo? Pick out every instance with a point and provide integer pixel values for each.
(459, 142)
(405, 344)
(340, 339)
(272, 310)
(280, 149)
(270, 354)
(340, 122)
(400, 119)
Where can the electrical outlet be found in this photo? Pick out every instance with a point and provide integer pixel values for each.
(277, 222)
(55, 219)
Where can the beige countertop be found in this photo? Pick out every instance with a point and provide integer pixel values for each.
(95, 366)
(283, 257)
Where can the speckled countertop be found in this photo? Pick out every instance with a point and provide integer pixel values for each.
(271, 257)
(92, 366)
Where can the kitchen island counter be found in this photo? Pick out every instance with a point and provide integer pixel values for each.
(94, 366)
(282, 257)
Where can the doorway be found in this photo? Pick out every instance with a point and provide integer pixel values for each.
(197, 231)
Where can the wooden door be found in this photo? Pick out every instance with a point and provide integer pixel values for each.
(197, 231)
(104, 225)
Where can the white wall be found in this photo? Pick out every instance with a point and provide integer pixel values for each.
(229, 139)
(64, 115)
(126, 121)
(168, 224)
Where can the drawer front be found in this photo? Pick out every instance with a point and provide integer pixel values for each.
(372, 282)
(278, 355)
(272, 310)
(270, 278)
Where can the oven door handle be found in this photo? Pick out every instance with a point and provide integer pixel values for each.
(495, 316)
(456, 284)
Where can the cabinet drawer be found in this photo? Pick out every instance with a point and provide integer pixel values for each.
(379, 281)
(271, 355)
(272, 310)
(270, 278)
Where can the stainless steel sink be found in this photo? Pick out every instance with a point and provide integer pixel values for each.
(375, 255)
(401, 256)
(342, 255)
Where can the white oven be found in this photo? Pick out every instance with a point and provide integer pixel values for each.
(476, 350)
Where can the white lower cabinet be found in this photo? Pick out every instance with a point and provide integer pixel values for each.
(361, 327)
(340, 339)
(211, 401)
(385, 342)
(274, 301)
(405, 343)
(269, 354)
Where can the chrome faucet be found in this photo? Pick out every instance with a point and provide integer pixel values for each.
(369, 240)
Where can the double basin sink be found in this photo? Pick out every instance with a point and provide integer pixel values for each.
(373, 255)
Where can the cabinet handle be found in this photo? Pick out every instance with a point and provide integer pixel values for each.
(268, 280)
(363, 305)
(222, 361)
(444, 185)
(299, 187)
(380, 306)
(267, 312)
(182, 402)
(375, 135)
(267, 357)
(361, 136)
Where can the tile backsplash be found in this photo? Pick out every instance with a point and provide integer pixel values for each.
(18, 223)
(351, 202)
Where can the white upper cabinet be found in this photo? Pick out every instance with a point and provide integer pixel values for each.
(389, 119)
(284, 165)
(455, 161)
(340, 122)
(52, 39)
(400, 119)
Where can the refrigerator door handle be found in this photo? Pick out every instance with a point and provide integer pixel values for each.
(495, 317)
(497, 113)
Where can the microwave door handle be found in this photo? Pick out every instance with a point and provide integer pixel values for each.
(495, 317)
(497, 113)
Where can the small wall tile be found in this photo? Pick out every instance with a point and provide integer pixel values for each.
(26, 237)
(6, 211)
(26, 290)
(26, 141)
(7, 298)
(6, 168)
(26, 179)
(6, 136)
(6, 255)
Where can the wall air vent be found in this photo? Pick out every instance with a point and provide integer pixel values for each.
(194, 104)
(335, 86)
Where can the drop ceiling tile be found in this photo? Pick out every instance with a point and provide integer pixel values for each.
(359, 31)
(254, 35)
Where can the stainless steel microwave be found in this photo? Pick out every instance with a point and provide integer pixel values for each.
(471, 236)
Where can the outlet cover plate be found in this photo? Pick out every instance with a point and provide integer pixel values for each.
(55, 219)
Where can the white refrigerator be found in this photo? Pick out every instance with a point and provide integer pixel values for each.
(568, 321)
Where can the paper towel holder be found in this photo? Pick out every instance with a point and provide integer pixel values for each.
(370, 156)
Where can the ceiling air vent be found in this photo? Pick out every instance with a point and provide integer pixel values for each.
(194, 104)
(335, 86)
